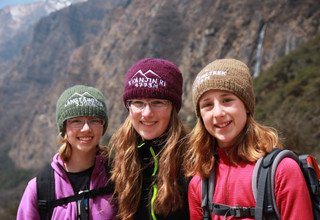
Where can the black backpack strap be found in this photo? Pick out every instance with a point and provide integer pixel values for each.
(45, 192)
(264, 181)
(235, 211)
(207, 191)
(208, 206)
(110, 184)
(86, 194)
(264, 203)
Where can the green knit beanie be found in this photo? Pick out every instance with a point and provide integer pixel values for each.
(80, 100)
(225, 74)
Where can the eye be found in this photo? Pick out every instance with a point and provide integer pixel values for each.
(74, 121)
(225, 100)
(158, 103)
(97, 121)
(137, 103)
(206, 105)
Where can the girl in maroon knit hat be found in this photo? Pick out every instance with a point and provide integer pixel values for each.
(148, 147)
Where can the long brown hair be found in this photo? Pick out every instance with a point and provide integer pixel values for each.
(126, 171)
(254, 142)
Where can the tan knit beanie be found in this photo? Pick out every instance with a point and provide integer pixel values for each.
(228, 75)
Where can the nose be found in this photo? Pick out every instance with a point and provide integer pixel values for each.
(218, 110)
(146, 111)
(85, 126)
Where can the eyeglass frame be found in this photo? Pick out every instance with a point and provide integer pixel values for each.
(165, 102)
(92, 122)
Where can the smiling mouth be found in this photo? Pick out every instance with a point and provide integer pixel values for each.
(222, 125)
(148, 123)
(85, 138)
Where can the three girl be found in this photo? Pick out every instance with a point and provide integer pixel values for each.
(148, 149)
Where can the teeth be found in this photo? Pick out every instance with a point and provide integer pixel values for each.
(148, 123)
(85, 138)
(223, 125)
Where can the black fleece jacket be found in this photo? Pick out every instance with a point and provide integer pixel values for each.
(147, 151)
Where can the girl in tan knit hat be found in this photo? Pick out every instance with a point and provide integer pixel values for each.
(226, 143)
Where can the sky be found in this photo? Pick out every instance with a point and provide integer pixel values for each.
(4, 3)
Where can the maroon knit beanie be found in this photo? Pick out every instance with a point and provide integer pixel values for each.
(154, 78)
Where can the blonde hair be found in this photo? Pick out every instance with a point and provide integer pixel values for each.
(126, 171)
(65, 149)
(254, 142)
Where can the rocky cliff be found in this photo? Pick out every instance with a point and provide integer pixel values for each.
(17, 23)
(94, 43)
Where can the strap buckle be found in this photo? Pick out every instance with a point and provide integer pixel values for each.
(83, 191)
(42, 204)
(241, 211)
(86, 193)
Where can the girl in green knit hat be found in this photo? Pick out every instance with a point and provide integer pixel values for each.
(80, 179)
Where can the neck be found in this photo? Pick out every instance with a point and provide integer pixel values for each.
(80, 161)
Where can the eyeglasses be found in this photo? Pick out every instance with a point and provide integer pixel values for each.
(154, 104)
(78, 123)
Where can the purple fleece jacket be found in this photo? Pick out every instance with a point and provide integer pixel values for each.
(101, 207)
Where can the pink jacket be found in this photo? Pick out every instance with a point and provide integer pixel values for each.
(100, 207)
(233, 187)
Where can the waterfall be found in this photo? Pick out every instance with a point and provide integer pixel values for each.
(259, 51)
(290, 43)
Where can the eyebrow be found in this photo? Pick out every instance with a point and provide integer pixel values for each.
(224, 94)
(227, 94)
(203, 100)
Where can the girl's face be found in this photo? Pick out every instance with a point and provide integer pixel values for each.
(84, 133)
(224, 116)
(150, 117)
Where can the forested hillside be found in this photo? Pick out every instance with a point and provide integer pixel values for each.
(288, 98)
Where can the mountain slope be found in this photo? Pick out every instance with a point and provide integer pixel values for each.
(17, 23)
(288, 97)
(96, 42)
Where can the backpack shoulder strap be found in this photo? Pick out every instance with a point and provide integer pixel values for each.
(45, 191)
(263, 180)
(207, 191)
(110, 184)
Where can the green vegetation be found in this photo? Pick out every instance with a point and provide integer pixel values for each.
(288, 98)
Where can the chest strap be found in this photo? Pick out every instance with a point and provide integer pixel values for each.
(235, 211)
(44, 204)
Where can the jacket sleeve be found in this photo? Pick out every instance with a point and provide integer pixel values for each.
(292, 195)
(28, 208)
(194, 198)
